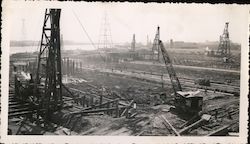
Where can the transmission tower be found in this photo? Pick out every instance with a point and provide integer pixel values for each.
(224, 45)
(156, 46)
(105, 37)
(48, 75)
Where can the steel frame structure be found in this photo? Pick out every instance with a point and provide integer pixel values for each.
(156, 46)
(105, 37)
(48, 87)
(224, 45)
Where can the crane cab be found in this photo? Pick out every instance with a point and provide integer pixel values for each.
(189, 102)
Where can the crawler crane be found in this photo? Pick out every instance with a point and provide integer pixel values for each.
(187, 102)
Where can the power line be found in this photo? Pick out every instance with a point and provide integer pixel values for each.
(87, 34)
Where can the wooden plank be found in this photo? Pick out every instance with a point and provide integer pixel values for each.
(206, 128)
(95, 110)
(222, 131)
(204, 117)
(18, 110)
(189, 121)
(14, 103)
(20, 113)
(104, 98)
(126, 109)
(18, 105)
(95, 106)
(67, 98)
(175, 131)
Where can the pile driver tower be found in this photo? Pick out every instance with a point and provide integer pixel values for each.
(49, 75)
(224, 45)
(156, 46)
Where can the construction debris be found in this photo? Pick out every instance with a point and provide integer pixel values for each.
(131, 92)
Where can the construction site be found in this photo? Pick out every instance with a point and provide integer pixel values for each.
(163, 88)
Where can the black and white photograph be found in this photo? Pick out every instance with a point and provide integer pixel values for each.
(140, 70)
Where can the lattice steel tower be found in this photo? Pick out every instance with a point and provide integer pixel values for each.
(105, 37)
(156, 46)
(48, 86)
(224, 45)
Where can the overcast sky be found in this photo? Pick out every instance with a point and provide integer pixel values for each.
(193, 23)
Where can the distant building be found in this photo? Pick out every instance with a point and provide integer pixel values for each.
(209, 52)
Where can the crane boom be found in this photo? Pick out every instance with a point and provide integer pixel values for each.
(173, 78)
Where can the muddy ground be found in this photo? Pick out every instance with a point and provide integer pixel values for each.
(150, 107)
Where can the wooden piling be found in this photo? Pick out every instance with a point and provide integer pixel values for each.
(108, 105)
(67, 67)
(100, 102)
(87, 102)
(96, 102)
(91, 101)
(83, 101)
(80, 66)
(73, 65)
(117, 108)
